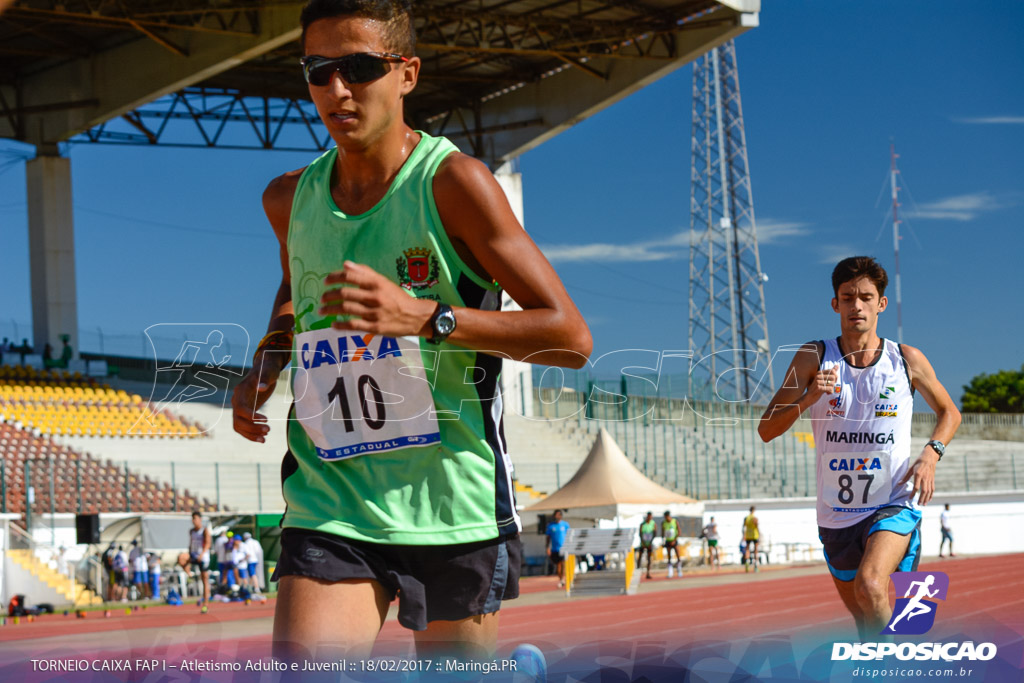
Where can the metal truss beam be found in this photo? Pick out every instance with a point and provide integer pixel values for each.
(170, 57)
(200, 117)
(728, 329)
(562, 96)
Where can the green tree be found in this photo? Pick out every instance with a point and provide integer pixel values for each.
(1002, 392)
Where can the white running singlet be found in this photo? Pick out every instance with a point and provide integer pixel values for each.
(862, 437)
(196, 539)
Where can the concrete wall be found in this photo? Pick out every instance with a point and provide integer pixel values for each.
(982, 524)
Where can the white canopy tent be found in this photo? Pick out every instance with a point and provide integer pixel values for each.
(607, 486)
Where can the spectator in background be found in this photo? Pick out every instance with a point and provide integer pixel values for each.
(25, 349)
(947, 532)
(254, 556)
(227, 563)
(199, 543)
(140, 569)
(711, 534)
(648, 530)
(239, 564)
(751, 537)
(62, 562)
(5, 346)
(220, 547)
(48, 361)
(670, 532)
(67, 353)
(107, 559)
(556, 533)
(134, 553)
(153, 560)
(121, 572)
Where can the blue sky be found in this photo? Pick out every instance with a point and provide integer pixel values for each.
(165, 235)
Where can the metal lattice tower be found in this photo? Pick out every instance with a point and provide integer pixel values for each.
(728, 324)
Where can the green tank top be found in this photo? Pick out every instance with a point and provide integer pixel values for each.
(647, 532)
(670, 529)
(395, 440)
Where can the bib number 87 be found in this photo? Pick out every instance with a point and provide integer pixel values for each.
(362, 384)
(846, 492)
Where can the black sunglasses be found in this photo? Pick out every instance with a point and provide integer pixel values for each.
(360, 67)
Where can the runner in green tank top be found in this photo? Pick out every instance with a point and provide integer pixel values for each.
(648, 530)
(670, 532)
(391, 247)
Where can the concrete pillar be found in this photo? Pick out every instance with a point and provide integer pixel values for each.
(516, 377)
(51, 243)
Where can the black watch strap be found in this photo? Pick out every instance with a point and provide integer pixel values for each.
(938, 447)
(442, 323)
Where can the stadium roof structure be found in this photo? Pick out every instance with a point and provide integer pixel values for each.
(498, 76)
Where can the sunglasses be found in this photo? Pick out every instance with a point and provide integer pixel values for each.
(360, 67)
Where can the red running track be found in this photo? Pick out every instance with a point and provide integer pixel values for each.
(984, 591)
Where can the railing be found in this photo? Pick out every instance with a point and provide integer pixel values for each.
(248, 486)
(710, 450)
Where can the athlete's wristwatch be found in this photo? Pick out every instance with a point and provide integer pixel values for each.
(442, 323)
(938, 447)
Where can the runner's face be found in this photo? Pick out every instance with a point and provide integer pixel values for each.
(858, 305)
(357, 114)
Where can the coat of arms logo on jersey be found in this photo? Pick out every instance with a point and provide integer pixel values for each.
(419, 269)
(886, 409)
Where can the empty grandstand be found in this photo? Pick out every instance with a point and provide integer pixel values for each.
(41, 476)
(68, 404)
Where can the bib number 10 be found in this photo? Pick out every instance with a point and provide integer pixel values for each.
(372, 411)
(846, 488)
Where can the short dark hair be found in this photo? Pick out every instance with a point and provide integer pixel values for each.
(396, 15)
(855, 267)
(197, 513)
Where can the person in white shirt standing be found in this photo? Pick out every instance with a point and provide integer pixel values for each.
(254, 557)
(153, 560)
(140, 571)
(236, 563)
(947, 532)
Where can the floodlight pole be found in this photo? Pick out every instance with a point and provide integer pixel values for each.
(727, 317)
(896, 238)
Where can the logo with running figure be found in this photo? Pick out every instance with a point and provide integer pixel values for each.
(419, 269)
(914, 613)
(836, 406)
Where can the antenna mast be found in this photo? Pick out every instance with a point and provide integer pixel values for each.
(728, 328)
(896, 239)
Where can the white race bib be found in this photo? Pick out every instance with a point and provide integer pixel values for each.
(857, 482)
(359, 393)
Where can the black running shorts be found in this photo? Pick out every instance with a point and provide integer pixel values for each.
(446, 583)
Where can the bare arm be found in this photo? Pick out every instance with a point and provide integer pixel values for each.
(947, 420)
(477, 217)
(258, 384)
(801, 388)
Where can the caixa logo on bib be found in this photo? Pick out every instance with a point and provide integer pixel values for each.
(914, 613)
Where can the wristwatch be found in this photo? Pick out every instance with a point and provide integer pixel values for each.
(938, 447)
(442, 323)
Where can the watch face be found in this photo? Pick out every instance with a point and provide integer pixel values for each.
(445, 323)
